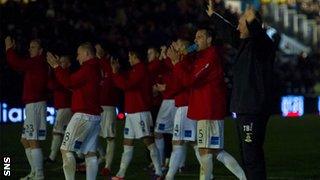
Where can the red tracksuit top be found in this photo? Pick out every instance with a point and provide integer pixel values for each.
(84, 85)
(207, 100)
(155, 78)
(137, 88)
(164, 70)
(35, 76)
(181, 92)
(109, 96)
(61, 95)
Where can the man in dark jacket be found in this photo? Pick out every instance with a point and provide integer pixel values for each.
(252, 96)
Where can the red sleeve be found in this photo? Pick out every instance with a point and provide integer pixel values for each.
(18, 63)
(105, 65)
(71, 81)
(154, 67)
(133, 79)
(168, 64)
(181, 74)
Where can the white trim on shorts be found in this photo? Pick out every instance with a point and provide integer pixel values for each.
(165, 118)
(35, 124)
(82, 132)
(210, 134)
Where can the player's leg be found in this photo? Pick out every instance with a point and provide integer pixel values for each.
(111, 143)
(164, 124)
(89, 147)
(222, 155)
(27, 150)
(109, 131)
(126, 157)
(74, 137)
(144, 132)
(37, 132)
(175, 159)
(62, 119)
(177, 143)
(154, 154)
(128, 142)
(205, 150)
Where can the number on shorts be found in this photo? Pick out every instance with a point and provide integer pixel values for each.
(67, 136)
(200, 133)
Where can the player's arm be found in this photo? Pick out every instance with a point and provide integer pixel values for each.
(16, 62)
(63, 76)
(223, 25)
(133, 79)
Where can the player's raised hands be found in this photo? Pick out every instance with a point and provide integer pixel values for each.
(173, 55)
(249, 14)
(53, 60)
(114, 65)
(163, 52)
(210, 8)
(9, 42)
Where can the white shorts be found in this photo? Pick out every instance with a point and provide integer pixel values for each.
(210, 134)
(138, 125)
(35, 124)
(165, 118)
(184, 128)
(108, 121)
(82, 132)
(62, 119)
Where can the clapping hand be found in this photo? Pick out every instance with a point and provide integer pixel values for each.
(210, 9)
(173, 55)
(9, 42)
(114, 65)
(53, 60)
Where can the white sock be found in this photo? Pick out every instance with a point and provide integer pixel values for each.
(110, 152)
(160, 147)
(231, 164)
(154, 155)
(207, 165)
(184, 155)
(55, 146)
(69, 166)
(91, 167)
(175, 161)
(28, 154)
(37, 161)
(125, 160)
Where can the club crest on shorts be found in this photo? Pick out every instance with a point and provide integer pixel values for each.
(214, 140)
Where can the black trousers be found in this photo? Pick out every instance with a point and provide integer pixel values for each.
(251, 133)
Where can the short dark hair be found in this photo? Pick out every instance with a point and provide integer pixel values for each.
(210, 32)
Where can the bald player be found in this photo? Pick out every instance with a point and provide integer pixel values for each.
(83, 129)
